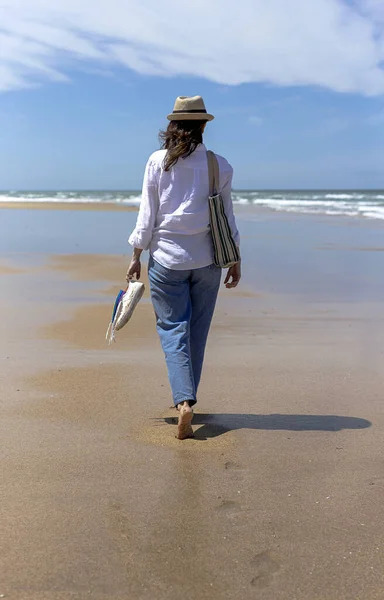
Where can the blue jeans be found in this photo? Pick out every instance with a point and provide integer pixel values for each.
(184, 302)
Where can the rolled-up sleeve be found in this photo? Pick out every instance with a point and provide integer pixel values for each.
(226, 194)
(142, 234)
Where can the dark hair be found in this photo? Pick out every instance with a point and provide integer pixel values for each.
(180, 139)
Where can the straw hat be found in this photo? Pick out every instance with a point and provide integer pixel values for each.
(189, 108)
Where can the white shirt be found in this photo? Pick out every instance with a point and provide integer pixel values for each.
(173, 221)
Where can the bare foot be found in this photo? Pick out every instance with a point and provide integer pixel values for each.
(184, 427)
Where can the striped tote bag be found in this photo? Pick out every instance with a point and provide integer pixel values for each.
(225, 250)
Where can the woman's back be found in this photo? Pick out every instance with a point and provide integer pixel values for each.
(184, 190)
(178, 197)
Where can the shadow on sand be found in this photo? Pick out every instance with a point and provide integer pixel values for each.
(217, 424)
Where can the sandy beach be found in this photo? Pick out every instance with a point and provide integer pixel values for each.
(279, 496)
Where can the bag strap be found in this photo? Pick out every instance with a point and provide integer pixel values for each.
(213, 173)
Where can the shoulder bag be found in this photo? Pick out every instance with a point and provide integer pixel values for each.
(226, 253)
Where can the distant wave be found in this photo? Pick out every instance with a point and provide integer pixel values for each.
(345, 196)
(369, 204)
(359, 203)
(129, 198)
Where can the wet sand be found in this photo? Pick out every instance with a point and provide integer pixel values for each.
(279, 495)
(7, 270)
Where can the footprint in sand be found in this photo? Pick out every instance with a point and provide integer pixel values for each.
(229, 505)
(234, 467)
(235, 471)
(229, 465)
(264, 568)
(233, 511)
(119, 520)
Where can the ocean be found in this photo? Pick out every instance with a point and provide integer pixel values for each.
(351, 203)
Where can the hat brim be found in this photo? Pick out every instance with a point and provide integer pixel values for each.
(190, 117)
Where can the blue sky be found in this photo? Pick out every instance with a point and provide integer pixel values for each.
(298, 95)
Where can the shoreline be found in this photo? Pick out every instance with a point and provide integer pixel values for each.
(241, 209)
(91, 206)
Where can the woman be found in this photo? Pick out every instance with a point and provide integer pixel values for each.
(173, 224)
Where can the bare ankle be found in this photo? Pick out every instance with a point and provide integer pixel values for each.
(184, 404)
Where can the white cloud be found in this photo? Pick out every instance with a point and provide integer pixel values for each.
(335, 44)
